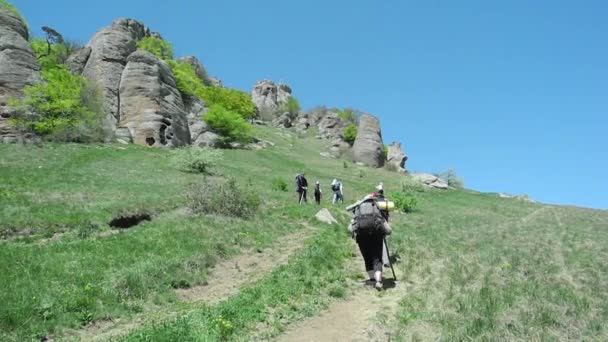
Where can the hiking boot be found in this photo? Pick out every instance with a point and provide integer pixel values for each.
(378, 285)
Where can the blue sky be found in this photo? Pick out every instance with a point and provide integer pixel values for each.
(513, 95)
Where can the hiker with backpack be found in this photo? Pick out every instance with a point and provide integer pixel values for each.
(318, 192)
(369, 228)
(301, 187)
(338, 189)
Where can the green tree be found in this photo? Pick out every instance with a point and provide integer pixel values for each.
(292, 106)
(350, 133)
(157, 46)
(229, 124)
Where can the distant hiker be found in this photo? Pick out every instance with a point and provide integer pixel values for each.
(338, 189)
(369, 227)
(301, 187)
(318, 192)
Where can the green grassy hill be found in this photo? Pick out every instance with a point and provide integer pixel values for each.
(470, 265)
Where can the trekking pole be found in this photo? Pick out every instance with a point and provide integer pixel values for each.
(389, 259)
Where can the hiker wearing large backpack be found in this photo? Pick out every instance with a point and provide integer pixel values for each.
(369, 228)
(301, 187)
(338, 189)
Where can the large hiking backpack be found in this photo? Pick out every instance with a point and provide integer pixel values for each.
(299, 182)
(336, 186)
(368, 218)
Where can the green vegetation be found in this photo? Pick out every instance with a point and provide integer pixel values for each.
(453, 180)
(196, 159)
(474, 266)
(223, 198)
(349, 115)
(350, 134)
(404, 202)
(279, 184)
(292, 106)
(156, 46)
(229, 124)
(65, 107)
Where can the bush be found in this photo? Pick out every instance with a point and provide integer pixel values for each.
(385, 152)
(292, 106)
(350, 134)
(157, 46)
(229, 124)
(195, 159)
(223, 198)
(65, 107)
(279, 184)
(349, 115)
(51, 56)
(231, 99)
(453, 180)
(404, 202)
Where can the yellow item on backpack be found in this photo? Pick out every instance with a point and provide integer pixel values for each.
(386, 205)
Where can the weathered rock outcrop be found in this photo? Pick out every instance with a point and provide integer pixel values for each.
(430, 180)
(396, 157)
(18, 68)
(268, 98)
(110, 48)
(151, 107)
(368, 148)
(199, 69)
(78, 59)
(284, 121)
(331, 126)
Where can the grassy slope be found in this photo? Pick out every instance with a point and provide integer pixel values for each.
(486, 267)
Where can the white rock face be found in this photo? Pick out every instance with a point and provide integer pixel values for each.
(269, 97)
(325, 216)
(430, 180)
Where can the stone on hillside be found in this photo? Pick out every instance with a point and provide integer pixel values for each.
(110, 48)
(338, 147)
(331, 126)
(325, 216)
(199, 69)
(430, 180)
(368, 147)
(208, 139)
(215, 82)
(78, 59)
(268, 98)
(396, 157)
(151, 107)
(283, 121)
(18, 68)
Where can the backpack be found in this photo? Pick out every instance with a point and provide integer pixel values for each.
(299, 181)
(336, 186)
(368, 218)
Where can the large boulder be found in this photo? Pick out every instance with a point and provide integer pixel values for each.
(196, 109)
(430, 180)
(110, 48)
(396, 157)
(151, 107)
(283, 121)
(18, 68)
(199, 69)
(368, 148)
(269, 97)
(331, 126)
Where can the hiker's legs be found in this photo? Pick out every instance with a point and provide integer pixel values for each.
(371, 250)
(335, 198)
(300, 195)
(304, 195)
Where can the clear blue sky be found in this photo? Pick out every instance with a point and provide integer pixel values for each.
(511, 94)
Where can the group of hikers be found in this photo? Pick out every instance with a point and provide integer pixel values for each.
(302, 190)
(369, 225)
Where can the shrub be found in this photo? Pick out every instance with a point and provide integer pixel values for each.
(157, 46)
(65, 107)
(453, 180)
(350, 134)
(292, 106)
(404, 202)
(349, 115)
(195, 159)
(229, 124)
(231, 99)
(385, 152)
(52, 56)
(279, 184)
(223, 198)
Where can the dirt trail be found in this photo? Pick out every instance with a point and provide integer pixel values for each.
(228, 277)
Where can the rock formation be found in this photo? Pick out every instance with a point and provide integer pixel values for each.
(199, 69)
(18, 68)
(396, 157)
(430, 180)
(78, 60)
(331, 126)
(151, 107)
(110, 48)
(268, 98)
(368, 148)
